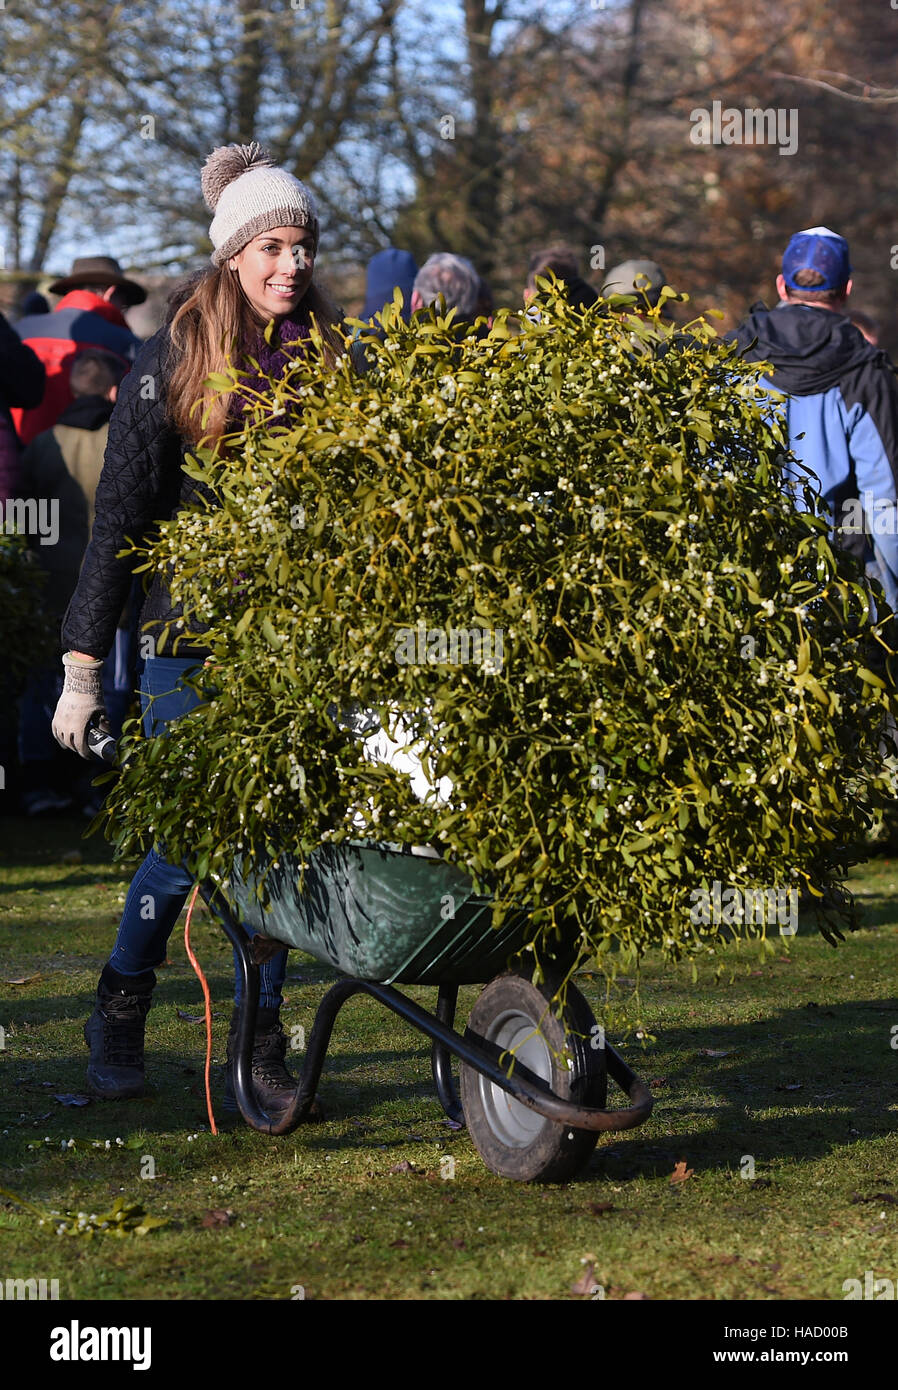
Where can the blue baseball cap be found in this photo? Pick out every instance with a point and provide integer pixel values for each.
(818, 249)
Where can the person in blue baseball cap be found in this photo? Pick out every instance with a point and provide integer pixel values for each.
(816, 263)
(841, 397)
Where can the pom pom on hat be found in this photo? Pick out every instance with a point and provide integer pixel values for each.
(227, 163)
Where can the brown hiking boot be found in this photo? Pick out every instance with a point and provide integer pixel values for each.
(273, 1086)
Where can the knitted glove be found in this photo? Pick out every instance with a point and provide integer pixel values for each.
(81, 699)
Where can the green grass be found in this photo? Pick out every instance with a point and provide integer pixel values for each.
(321, 1208)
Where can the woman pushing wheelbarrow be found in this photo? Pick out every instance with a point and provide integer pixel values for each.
(518, 644)
(265, 234)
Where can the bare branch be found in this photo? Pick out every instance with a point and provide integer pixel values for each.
(872, 96)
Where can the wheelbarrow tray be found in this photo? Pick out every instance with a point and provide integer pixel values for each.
(377, 913)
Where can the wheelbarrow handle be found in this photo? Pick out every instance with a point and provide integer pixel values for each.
(523, 1084)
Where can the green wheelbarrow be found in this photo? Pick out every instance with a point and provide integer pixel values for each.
(533, 1085)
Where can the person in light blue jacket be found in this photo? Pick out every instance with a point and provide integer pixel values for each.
(841, 397)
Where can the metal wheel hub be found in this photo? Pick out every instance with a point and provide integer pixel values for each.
(514, 1124)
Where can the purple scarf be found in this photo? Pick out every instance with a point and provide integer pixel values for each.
(274, 360)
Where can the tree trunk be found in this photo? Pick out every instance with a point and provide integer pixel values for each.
(249, 69)
(485, 153)
(16, 214)
(60, 178)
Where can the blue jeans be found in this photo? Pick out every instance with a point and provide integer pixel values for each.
(160, 888)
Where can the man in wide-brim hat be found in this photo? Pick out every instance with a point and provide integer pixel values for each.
(89, 315)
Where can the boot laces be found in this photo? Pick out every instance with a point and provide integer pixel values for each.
(124, 1016)
(269, 1051)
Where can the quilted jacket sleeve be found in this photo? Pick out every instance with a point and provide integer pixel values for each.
(139, 485)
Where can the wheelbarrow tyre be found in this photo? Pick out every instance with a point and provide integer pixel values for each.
(513, 1140)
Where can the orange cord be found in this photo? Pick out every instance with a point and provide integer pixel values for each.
(196, 965)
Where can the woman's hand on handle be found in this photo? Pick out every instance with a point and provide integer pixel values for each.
(81, 699)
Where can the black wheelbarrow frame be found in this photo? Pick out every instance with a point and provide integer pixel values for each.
(484, 1056)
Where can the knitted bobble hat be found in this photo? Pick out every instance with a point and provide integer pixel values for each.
(249, 194)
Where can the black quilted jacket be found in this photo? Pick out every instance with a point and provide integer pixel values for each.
(142, 483)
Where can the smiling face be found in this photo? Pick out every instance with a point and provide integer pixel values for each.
(275, 270)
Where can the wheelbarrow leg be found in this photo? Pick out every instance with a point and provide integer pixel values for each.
(249, 1007)
(304, 1095)
(441, 1057)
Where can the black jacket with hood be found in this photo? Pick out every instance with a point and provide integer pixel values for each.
(842, 414)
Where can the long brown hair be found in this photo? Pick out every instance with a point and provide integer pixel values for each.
(208, 329)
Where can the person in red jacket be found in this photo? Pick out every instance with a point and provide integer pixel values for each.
(88, 316)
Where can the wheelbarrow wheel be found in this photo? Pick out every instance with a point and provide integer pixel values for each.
(513, 1140)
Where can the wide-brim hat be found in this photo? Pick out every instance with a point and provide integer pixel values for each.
(99, 270)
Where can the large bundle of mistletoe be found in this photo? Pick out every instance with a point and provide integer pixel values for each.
(561, 563)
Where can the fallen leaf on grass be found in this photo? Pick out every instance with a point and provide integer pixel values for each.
(21, 979)
(68, 1098)
(398, 1244)
(715, 1052)
(636, 1295)
(403, 1167)
(586, 1284)
(217, 1217)
(459, 1244)
(681, 1173)
(658, 1081)
(597, 1208)
(760, 1182)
